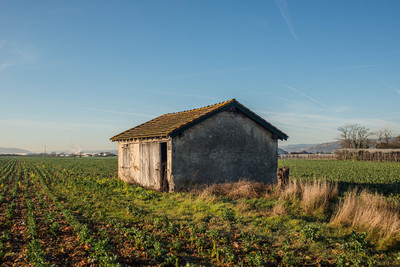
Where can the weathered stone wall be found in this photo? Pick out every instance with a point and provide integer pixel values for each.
(228, 146)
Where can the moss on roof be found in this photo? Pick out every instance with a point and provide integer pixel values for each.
(172, 123)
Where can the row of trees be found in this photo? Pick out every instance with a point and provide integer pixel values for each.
(357, 136)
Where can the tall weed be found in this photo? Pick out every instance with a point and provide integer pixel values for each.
(369, 211)
(313, 196)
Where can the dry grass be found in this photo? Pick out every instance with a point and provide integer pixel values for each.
(236, 190)
(293, 191)
(369, 211)
(317, 195)
(279, 209)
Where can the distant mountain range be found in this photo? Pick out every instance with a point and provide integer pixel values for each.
(312, 148)
(12, 150)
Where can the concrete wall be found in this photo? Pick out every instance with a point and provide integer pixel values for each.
(144, 167)
(226, 147)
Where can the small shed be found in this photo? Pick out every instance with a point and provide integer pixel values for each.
(213, 144)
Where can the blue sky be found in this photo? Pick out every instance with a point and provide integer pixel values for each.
(78, 72)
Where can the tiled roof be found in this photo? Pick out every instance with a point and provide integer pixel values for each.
(171, 124)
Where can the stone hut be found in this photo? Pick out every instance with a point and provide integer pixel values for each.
(214, 144)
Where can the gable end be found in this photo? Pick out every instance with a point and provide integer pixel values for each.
(234, 106)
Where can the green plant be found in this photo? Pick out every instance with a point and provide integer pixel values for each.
(254, 259)
(55, 228)
(35, 254)
(159, 253)
(288, 257)
(341, 259)
(177, 244)
(309, 233)
(109, 217)
(228, 214)
(357, 242)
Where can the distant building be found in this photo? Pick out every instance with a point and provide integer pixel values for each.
(213, 144)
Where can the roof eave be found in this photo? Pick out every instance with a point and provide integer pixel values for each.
(277, 134)
(281, 135)
(139, 138)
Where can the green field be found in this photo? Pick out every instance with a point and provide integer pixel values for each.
(383, 177)
(64, 212)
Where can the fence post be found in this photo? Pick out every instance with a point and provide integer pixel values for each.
(283, 177)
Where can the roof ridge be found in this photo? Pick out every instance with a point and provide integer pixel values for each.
(171, 124)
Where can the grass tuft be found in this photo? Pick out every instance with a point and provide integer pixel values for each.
(369, 211)
(319, 195)
(235, 190)
(313, 196)
(279, 209)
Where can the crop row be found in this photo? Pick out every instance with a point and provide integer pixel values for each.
(35, 253)
(78, 212)
(99, 246)
(157, 238)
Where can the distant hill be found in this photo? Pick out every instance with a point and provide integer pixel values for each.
(114, 151)
(11, 150)
(313, 148)
(281, 151)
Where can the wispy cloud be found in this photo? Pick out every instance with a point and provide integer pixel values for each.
(181, 94)
(66, 10)
(314, 128)
(397, 90)
(355, 67)
(5, 65)
(335, 109)
(2, 43)
(14, 54)
(284, 9)
(3, 58)
(119, 112)
(50, 124)
(394, 88)
(25, 55)
(305, 95)
(393, 52)
(212, 72)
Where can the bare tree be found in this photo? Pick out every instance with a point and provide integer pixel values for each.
(344, 136)
(383, 138)
(354, 136)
